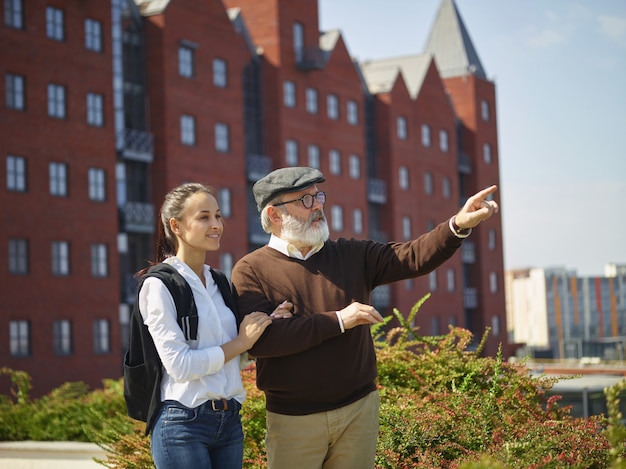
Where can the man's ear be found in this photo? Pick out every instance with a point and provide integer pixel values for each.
(274, 215)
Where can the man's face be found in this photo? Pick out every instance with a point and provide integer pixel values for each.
(303, 226)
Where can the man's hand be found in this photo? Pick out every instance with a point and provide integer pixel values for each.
(357, 314)
(283, 310)
(477, 209)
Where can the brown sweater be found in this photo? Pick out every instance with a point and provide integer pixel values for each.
(305, 364)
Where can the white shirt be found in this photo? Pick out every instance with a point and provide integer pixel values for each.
(290, 250)
(193, 371)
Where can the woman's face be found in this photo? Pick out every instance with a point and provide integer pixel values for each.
(201, 225)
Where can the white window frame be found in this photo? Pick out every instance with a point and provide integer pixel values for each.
(19, 338)
(60, 258)
(313, 152)
(187, 130)
(62, 337)
(99, 260)
(484, 110)
(97, 184)
(357, 220)
(428, 183)
(291, 153)
(332, 106)
(336, 217)
(225, 202)
(186, 61)
(15, 93)
(451, 280)
(222, 137)
(14, 14)
(55, 23)
(493, 282)
(446, 187)
(334, 162)
(403, 178)
(487, 156)
(16, 173)
(93, 35)
(406, 228)
(425, 135)
(352, 111)
(18, 256)
(298, 41)
(95, 109)
(444, 144)
(289, 93)
(355, 166)
(401, 130)
(58, 179)
(101, 336)
(311, 100)
(220, 73)
(56, 101)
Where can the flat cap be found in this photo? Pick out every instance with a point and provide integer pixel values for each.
(282, 181)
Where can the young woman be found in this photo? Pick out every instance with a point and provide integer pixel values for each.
(198, 424)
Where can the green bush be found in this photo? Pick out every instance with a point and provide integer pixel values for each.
(441, 406)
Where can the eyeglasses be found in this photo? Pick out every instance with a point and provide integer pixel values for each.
(307, 200)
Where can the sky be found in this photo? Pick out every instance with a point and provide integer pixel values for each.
(559, 67)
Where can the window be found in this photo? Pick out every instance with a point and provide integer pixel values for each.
(495, 326)
(336, 216)
(97, 184)
(15, 91)
(401, 128)
(62, 333)
(311, 100)
(446, 187)
(425, 135)
(298, 41)
(226, 263)
(492, 239)
(493, 282)
(314, 156)
(95, 109)
(222, 139)
(19, 338)
(451, 279)
(56, 101)
(54, 24)
(357, 217)
(334, 158)
(18, 256)
(355, 167)
(484, 110)
(99, 267)
(291, 153)
(187, 130)
(220, 75)
(14, 14)
(353, 112)
(93, 35)
(406, 228)
(289, 93)
(443, 140)
(428, 183)
(101, 336)
(225, 202)
(432, 280)
(60, 258)
(58, 179)
(16, 173)
(186, 66)
(403, 177)
(487, 153)
(332, 106)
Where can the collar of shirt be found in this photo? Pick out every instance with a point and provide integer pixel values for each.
(290, 250)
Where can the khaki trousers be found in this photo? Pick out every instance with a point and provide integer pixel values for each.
(343, 438)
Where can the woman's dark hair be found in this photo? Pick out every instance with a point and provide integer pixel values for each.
(173, 207)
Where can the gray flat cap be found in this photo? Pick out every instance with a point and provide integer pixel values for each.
(282, 181)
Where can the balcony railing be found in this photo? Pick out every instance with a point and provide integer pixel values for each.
(136, 145)
(137, 217)
(468, 252)
(257, 166)
(464, 163)
(312, 58)
(470, 298)
(376, 191)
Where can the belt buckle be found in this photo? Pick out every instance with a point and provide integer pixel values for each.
(224, 403)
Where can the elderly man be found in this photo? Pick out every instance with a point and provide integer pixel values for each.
(318, 369)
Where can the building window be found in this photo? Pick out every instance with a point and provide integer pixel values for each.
(493, 282)
(220, 74)
(403, 177)
(451, 280)
(428, 183)
(355, 167)
(484, 110)
(99, 256)
(187, 130)
(226, 264)
(289, 93)
(291, 153)
(298, 41)
(443, 140)
(62, 333)
(487, 153)
(15, 91)
(336, 217)
(101, 336)
(93, 35)
(16, 173)
(14, 14)
(222, 139)
(492, 239)
(60, 258)
(432, 280)
(97, 184)
(446, 187)
(19, 338)
(357, 217)
(425, 135)
(495, 326)
(406, 228)
(332, 106)
(18, 256)
(401, 128)
(186, 64)
(55, 24)
(58, 179)
(353, 112)
(56, 101)
(334, 158)
(225, 202)
(314, 156)
(95, 109)
(311, 100)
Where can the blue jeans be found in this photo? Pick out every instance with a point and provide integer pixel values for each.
(199, 438)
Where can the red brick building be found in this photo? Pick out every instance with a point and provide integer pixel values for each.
(108, 105)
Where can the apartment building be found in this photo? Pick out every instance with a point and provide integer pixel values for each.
(222, 92)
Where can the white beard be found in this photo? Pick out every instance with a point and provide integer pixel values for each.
(301, 232)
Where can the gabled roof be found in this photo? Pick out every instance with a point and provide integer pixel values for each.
(451, 45)
(380, 75)
(151, 7)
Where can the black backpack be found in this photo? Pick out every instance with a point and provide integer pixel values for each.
(142, 366)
